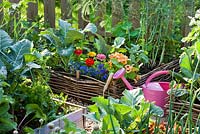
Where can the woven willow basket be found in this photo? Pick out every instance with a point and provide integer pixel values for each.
(85, 87)
(181, 107)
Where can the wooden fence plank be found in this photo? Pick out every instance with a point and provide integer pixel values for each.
(14, 17)
(134, 13)
(117, 11)
(14, 1)
(32, 11)
(49, 12)
(81, 22)
(100, 12)
(66, 9)
(1, 12)
(189, 11)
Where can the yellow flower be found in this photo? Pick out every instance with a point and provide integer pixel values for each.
(92, 54)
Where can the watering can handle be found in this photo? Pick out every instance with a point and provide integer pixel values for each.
(158, 73)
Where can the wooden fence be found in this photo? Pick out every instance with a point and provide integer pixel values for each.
(117, 13)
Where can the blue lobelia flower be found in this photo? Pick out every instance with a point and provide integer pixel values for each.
(100, 66)
(83, 70)
(104, 77)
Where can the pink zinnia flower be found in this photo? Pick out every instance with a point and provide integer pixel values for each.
(101, 57)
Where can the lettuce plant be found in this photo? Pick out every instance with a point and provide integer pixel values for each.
(129, 114)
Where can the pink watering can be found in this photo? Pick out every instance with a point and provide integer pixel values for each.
(153, 91)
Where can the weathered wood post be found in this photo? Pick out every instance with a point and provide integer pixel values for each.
(117, 11)
(14, 17)
(1, 12)
(81, 22)
(66, 9)
(189, 11)
(134, 13)
(49, 12)
(100, 12)
(32, 11)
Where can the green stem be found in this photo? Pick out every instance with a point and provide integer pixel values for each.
(191, 97)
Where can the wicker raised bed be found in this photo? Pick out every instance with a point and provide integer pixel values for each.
(85, 87)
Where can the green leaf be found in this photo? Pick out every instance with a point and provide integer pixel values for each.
(5, 40)
(134, 33)
(186, 72)
(102, 103)
(19, 49)
(29, 57)
(92, 116)
(73, 35)
(4, 107)
(95, 109)
(132, 98)
(197, 48)
(178, 92)
(49, 35)
(66, 51)
(34, 108)
(157, 111)
(104, 48)
(118, 42)
(33, 65)
(122, 109)
(110, 124)
(3, 71)
(90, 28)
(116, 63)
(7, 124)
(185, 62)
(64, 26)
(28, 130)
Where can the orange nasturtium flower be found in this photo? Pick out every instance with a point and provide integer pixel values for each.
(92, 54)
